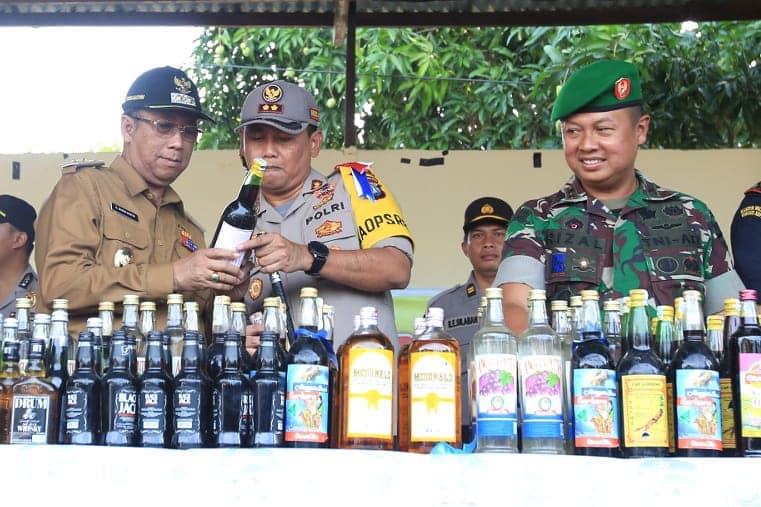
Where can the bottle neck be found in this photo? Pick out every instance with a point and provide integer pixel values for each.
(220, 323)
(190, 359)
(174, 315)
(266, 355)
(40, 331)
(85, 356)
(249, 189)
(238, 323)
(107, 322)
(191, 320)
(119, 355)
(230, 361)
(22, 316)
(693, 324)
(153, 355)
(640, 328)
(147, 322)
(560, 321)
(271, 319)
(309, 318)
(612, 323)
(36, 365)
(537, 313)
(748, 314)
(494, 315)
(130, 316)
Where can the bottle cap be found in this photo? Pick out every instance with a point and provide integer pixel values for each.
(745, 295)
(611, 306)
(732, 306)
(106, 306)
(147, 305)
(10, 322)
(238, 307)
(537, 294)
(435, 313)
(23, 303)
(587, 295)
(308, 292)
(715, 322)
(639, 293)
(191, 306)
(131, 299)
(174, 299)
(272, 302)
(559, 305)
(493, 293)
(221, 300)
(665, 312)
(575, 301)
(60, 304)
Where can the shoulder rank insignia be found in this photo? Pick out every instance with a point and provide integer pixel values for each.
(470, 290)
(75, 165)
(26, 280)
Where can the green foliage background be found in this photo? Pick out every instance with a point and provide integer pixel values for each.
(488, 88)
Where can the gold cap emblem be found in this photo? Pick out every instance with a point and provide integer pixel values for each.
(487, 209)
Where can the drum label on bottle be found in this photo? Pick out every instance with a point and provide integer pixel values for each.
(644, 410)
(728, 440)
(29, 419)
(433, 396)
(124, 410)
(750, 395)
(595, 408)
(542, 396)
(75, 410)
(230, 237)
(698, 409)
(152, 410)
(495, 393)
(187, 410)
(370, 394)
(307, 400)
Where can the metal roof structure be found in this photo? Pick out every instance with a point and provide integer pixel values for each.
(373, 12)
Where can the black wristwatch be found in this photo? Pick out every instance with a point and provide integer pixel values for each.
(320, 254)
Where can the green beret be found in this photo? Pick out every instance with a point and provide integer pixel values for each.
(601, 86)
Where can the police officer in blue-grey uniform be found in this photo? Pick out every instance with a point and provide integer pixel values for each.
(746, 238)
(485, 224)
(17, 278)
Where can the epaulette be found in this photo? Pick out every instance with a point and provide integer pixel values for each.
(75, 165)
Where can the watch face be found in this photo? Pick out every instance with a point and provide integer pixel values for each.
(318, 249)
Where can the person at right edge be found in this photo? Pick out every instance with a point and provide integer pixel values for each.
(343, 234)
(745, 235)
(610, 228)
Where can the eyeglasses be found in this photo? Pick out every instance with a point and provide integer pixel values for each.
(166, 128)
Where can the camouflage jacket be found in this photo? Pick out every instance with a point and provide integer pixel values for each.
(661, 240)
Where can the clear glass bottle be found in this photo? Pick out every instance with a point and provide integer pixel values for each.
(82, 396)
(154, 403)
(574, 310)
(595, 392)
(562, 318)
(147, 325)
(268, 380)
(131, 327)
(367, 387)
(220, 325)
(494, 350)
(35, 402)
(23, 318)
(642, 388)
(434, 367)
(726, 378)
(747, 342)
(106, 314)
(612, 328)
(540, 370)
(308, 406)
(175, 331)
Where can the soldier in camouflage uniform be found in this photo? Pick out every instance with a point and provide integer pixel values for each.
(746, 235)
(610, 228)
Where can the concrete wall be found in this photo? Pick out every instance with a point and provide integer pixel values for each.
(433, 197)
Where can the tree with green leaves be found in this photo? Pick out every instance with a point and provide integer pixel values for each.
(490, 88)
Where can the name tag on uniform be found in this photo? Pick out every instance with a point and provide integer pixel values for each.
(124, 211)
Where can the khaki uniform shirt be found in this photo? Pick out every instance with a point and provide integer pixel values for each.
(99, 237)
(323, 212)
(460, 305)
(26, 287)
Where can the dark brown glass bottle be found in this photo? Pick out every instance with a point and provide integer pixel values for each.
(231, 399)
(191, 403)
(118, 403)
(726, 378)
(82, 397)
(219, 327)
(594, 386)
(308, 406)
(35, 402)
(106, 314)
(696, 393)
(747, 342)
(642, 389)
(57, 360)
(9, 374)
(268, 381)
(154, 402)
(367, 387)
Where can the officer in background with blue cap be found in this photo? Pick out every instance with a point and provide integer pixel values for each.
(745, 236)
(17, 278)
(610, 228)
(122, 229)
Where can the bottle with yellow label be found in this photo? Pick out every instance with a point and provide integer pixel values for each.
(726, 378)
(435, 409)
(642, 389)
(367, 387)
(666, 343)
(403, 374)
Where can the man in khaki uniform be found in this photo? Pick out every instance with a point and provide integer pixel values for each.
(109, 231)
(17, 278)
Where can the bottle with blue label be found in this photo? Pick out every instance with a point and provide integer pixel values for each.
(308, 403)
(494, 353)
(697, 394)
(594, 387)
(540, 370)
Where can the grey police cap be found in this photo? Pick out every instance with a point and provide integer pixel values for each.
(280, 104)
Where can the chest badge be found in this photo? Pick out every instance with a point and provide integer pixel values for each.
(187, 240)
(255, 289)
(122, 257)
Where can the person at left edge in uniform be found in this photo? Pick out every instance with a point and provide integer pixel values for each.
(17, 278)
(745, 237)
(484, 228)
(122, 229)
